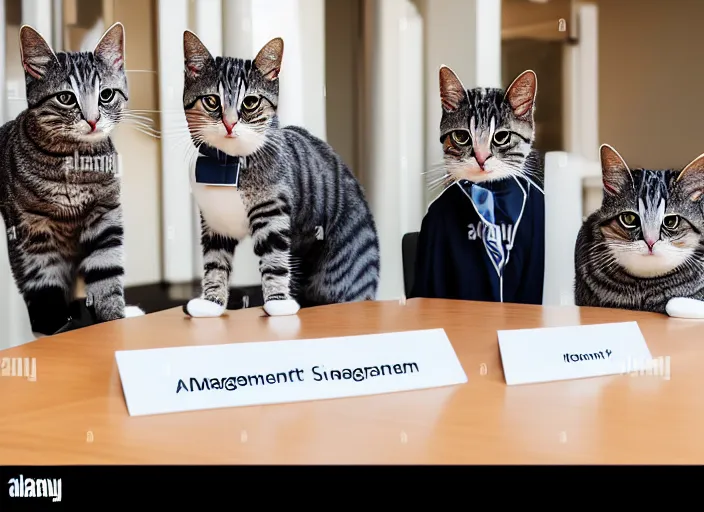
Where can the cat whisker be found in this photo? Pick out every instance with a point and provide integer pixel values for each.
(146, 130)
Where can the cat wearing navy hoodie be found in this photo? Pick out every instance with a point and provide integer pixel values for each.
(483, 238)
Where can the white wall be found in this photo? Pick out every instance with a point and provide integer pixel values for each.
(140, 154)
(177, 202)
(650, 79)
(392, 146)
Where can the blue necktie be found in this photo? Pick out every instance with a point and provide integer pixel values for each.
(483, 200)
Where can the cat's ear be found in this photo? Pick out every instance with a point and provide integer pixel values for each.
(195, 53)
(452, 92)
(35, 53)
(521, 94)
(615, 173)
(111, 47)
(692, 178)
(268, 60)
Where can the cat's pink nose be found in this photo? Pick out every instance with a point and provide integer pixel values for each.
(481, 158)
(228, 126)
(650, 243)
(92, 125)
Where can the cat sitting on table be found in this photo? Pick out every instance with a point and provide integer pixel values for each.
(644, 248)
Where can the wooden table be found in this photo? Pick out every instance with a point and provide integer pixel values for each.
(75, 413)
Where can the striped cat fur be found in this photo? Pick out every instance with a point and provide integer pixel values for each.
(59, 195)
(644, 248)
(306, 213)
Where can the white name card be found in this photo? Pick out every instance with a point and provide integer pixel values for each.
(180, 379)
(563, 353)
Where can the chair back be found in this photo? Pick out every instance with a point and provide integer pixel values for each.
(409, 243)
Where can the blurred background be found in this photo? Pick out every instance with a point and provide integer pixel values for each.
(363, 75)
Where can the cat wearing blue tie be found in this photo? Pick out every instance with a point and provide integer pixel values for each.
(483, 237)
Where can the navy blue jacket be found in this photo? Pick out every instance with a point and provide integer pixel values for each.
(459, 257)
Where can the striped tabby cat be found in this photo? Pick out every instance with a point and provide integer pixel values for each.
(487, 133)
(310, 223)
(644, 248)
(59, 196)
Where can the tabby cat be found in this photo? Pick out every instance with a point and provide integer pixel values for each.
(488, 133)
(644, 248)
(482, 237)
(310, 223)
(59, 194)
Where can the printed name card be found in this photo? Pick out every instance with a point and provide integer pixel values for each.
(158, 381)
(562, 353)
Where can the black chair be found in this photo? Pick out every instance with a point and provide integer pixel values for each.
(409, 243)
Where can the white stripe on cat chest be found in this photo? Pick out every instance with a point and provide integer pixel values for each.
(223, 209)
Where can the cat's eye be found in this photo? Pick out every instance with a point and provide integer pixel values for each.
(461, 137)
(211, 103)
(671, 221)
(628, 220)
(251, 103)
(502, 137)
(107, 95)
(67, 99)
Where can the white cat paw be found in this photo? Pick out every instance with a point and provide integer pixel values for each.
(201, 308)
(682, 307)
(281, 307)
(133, 311)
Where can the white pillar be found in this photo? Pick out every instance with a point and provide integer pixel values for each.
(411, 132)
(311, 48)
(487, 53)
(177, 202)
(37, 14)
(383, 43)
(301, 24)
(581, 81)
(58, 25)
(207, 16)
(208, 27)
(237, 28)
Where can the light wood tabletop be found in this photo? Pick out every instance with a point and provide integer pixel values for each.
(75, 413)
